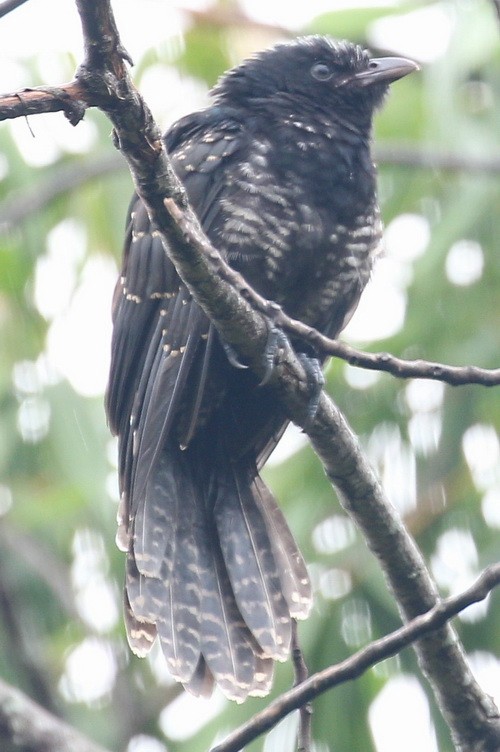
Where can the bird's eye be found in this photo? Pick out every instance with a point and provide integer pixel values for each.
(321, 72)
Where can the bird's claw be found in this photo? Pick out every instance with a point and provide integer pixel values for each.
(232, 356)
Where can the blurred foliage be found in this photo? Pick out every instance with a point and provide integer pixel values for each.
(57, 506)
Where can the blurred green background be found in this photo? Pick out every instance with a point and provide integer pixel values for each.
(63, 198)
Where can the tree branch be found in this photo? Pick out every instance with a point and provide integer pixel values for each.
(301, 673)
(9, 5)
(357, 664)
(454, 375)
(69, 98)
(413, 369)
(496, 6)
(18, 207)
(33, 729)
(471, 715)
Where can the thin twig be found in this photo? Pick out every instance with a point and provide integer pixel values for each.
(454, 375)
(357, 664)
(69, 98)
(496, 5)
(301, 672)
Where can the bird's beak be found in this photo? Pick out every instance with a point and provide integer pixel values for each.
(384, 70)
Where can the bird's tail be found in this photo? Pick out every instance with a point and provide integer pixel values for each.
(214, 571)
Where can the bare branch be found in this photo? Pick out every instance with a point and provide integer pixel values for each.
(357, 664)
(455, 375)
(69, 98)
(33, 729)
(472, 715)
(496, 5)
(414, 369)
(9, 5)
(301, 673)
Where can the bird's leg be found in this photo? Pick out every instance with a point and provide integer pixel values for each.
(301, 673)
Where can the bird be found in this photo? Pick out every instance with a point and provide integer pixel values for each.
(279, 172)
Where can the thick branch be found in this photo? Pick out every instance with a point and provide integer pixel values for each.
(472, 716)
(33, 729)
(470, 713)
(357, 664)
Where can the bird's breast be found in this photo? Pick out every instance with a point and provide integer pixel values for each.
(300, 234)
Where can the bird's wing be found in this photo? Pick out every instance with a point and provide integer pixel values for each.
(160, 335)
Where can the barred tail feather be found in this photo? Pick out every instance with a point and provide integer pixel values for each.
(141, 632)
(227, 644)
(295, 582)
(167, 590)
(251, 565)
(219, 581)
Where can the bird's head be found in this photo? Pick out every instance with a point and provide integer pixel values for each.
(329, 74)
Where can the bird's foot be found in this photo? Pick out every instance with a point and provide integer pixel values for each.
(315, 384)
(277, 339)
(311, 365)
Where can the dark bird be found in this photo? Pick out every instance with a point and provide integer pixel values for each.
(278, 170)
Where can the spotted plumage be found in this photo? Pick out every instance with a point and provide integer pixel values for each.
(279, 172)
